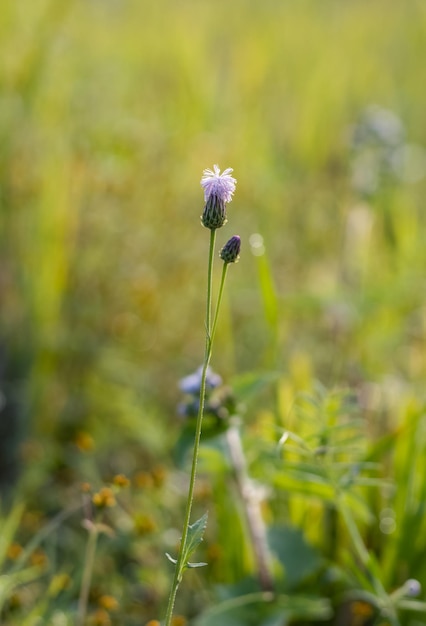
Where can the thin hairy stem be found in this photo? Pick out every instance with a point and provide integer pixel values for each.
(219, 300)
(180, 565)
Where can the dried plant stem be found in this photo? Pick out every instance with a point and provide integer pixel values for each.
(89, 561)
(41, 536)
(252, 510)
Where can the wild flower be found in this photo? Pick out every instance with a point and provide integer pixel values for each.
(218, 191)
(217, 184)
(412, 587)
(219, 399)
(230, 252)
(100, 618)
(191, 384)
(104, 498)
(107, 602)
(14, 551)
(120, 480)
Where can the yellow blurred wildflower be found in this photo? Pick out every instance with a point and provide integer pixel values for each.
(14, 551)
(143, 480)
(38, 558)
(84, 441)
(104, 498)
(158, 474)
(100, 618)
(108, 602)
(120, 480)
(361, 612)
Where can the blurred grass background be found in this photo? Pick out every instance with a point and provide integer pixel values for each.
(109, 112)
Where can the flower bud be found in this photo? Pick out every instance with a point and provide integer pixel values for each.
(412, 587)
(230, 252)
(214, 215)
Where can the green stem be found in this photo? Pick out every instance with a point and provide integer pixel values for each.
(219, 300)
(87, 574)
(354, 533)
(209, 299)
(366, 560)
(180, 565)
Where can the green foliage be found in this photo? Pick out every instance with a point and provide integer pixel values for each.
(263, 610)
(298, 559)
(194, 538)
(109, 111)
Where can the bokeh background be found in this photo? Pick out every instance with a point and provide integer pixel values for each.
(109, 112)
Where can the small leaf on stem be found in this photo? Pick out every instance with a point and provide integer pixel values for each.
(195, 536)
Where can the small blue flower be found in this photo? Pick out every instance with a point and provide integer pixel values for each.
(412, 587)
(191, 384)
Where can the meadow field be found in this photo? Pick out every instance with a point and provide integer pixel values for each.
(110, 110)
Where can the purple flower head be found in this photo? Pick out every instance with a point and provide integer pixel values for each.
(230, 252)
(191, 384)
(216, 184)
